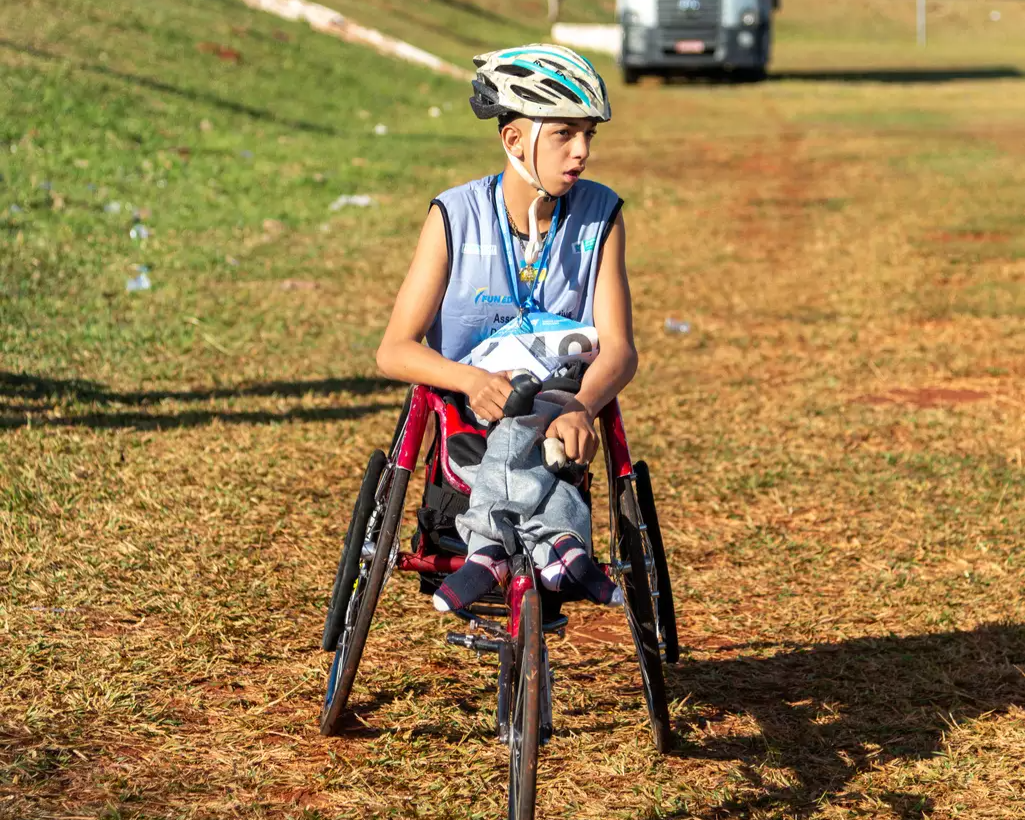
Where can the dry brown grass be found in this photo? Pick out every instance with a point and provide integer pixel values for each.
(838, 463)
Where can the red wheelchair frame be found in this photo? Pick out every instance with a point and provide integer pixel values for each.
(637, 562)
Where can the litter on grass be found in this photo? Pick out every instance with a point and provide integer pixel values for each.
(676, 326)
(112, 208)
(357, 200)
(139, 232)
(380, 129)
(140, 282)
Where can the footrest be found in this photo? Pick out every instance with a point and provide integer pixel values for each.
(555, 625)
(488, 610)
(475, 642)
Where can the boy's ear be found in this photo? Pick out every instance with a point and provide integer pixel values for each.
(512, 139)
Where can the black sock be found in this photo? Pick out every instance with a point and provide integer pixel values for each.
(481, 573)
(573, 567)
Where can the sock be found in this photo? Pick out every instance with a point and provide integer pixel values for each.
(573, 567)
(482, 572)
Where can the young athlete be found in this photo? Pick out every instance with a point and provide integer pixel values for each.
(536, 237)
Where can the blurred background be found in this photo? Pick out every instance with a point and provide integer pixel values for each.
(206, 209)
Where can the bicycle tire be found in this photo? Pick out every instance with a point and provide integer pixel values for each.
(649, 515)
(525, 726)
(352, 547)
(641, 615)
(347, 658)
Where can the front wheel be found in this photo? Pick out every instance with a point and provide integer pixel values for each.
(658, 576)
(640, 613)
(349, 563)
(525, 728)
(374, 563)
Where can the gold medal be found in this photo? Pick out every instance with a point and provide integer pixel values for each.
(528, 275)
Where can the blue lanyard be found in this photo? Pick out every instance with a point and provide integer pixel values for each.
(540, 267)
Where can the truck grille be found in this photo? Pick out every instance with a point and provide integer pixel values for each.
(689, 15)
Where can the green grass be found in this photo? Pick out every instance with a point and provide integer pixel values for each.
(836, 446)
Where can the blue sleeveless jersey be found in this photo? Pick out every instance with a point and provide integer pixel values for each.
(478, 300)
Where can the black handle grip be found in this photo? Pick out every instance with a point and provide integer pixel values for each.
(521, 401)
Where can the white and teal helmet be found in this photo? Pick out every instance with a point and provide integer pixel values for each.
(538, 80)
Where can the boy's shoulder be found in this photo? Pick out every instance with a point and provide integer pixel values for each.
(469, 190)
(484, 187)
(589, 189)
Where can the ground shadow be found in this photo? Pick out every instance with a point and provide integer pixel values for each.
(167, 88)
(829, 712)
(194, 95)
(899, 75)
(27, 386)
(479, 11)
(27, 400)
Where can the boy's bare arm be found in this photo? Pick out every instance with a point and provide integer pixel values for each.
(402, 356)
(616, 362)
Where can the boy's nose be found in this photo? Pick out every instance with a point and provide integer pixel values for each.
(581, 148)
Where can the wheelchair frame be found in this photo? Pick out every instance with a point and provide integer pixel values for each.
(524, 715)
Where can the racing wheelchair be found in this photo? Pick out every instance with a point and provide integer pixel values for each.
(511, 622)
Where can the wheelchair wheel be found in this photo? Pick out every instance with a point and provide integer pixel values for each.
(640, 613)
(525, 726)
(366, 590)
(660, 573)
(349, 562)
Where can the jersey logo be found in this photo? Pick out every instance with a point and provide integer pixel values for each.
(473, 249)
(482, 297)
(585, 245)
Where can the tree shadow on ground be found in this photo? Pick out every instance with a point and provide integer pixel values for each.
(830, 712)
(36, 396)
(899, 75)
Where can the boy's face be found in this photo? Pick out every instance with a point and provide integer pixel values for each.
(563, 147)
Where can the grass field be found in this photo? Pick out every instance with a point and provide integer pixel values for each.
(837, 445)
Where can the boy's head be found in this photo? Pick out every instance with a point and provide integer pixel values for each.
(548, 100)
(558, 153)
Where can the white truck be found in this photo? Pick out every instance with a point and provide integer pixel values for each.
(693, 37)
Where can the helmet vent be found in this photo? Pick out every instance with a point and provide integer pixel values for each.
(514, 70)
(528, 95)
(559, 88)
(589, 88)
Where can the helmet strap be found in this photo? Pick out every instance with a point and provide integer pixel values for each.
(533, 249)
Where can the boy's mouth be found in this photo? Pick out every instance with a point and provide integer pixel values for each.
(573, 174)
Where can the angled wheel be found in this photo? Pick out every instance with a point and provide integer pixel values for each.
(640, 613)
(658, 577)
(372, 566)
(349, 562)
(525, 725)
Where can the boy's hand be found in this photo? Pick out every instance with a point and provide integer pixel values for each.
(487, 393)
(575, 429)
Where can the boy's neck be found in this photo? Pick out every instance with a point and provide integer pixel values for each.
(519, 195)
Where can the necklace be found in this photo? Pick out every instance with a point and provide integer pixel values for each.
(528, 273)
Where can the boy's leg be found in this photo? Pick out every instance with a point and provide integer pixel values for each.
(484, 569)
(571, 567)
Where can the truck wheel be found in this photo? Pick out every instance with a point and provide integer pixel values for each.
(631, 76)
